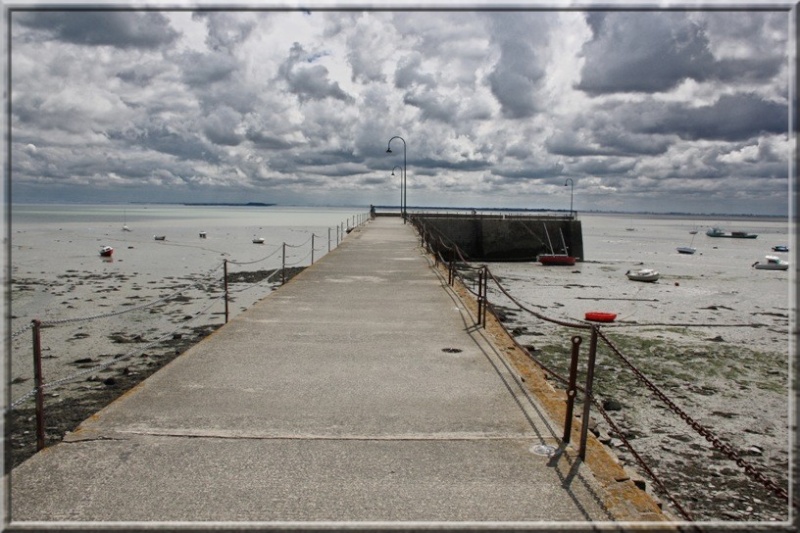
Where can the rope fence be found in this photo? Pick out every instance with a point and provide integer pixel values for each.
(446, 252)
(209, 279)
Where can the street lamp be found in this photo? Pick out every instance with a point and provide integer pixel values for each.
(571, 194)
(401, 186)
(404, 197)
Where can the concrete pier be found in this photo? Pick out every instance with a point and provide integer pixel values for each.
(357, 395)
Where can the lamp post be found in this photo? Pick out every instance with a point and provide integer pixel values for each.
(404, 197)
(571, 194)
(401, 186)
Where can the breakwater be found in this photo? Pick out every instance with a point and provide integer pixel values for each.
(500, 237)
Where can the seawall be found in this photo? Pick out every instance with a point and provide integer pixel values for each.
(505, 237)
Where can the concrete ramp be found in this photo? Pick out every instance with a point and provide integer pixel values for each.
(358, 393)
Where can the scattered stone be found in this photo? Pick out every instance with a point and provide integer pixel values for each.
(110, 381)
(612, 405)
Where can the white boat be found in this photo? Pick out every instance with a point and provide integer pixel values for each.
(773, 263)
(688, 249)
(258, 240)
(644, 274)
(106, 251)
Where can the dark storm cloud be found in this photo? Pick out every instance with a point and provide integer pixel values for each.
(656, 52)
(731, 118)
(121, 29)
(409, 73)
(605, 141)
(309, 82)
(434, 107)
(225, 31)
(266, 141)
(184, 146)
(201, 69)
(518, 74)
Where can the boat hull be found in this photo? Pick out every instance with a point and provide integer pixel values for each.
(600, 316)
(556, 260)
(686, 250)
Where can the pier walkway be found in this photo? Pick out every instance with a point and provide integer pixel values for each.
(356, 395)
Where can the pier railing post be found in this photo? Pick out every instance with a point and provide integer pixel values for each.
(587, 401)
(485, 294)
(283, 265)
(38, 383)
(571, 388)
(481, 309)
(312, 248)
(329, 239)
(225, 284)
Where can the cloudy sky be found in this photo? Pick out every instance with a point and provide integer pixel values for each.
(683, 110)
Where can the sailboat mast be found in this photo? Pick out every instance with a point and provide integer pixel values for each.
(550, 244)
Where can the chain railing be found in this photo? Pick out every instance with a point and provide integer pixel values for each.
(36, 325)
(436, 243)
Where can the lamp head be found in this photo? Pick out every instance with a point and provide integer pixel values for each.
(388, 150)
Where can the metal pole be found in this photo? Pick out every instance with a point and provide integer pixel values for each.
(485, 294)
(480, 297)
(225, 282)
(312, 248)
(283, 265)
(329, 239)
(587, 401)
(38, 382)
(571, 389)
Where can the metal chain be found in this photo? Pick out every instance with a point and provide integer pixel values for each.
(725, 448)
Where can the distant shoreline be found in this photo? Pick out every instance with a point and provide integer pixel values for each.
(671, 214)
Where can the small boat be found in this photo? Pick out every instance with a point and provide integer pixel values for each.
(644, 274)
(716, 232)
(258, 240)
(688, 249)
(125, 227)
(203, 235)
(106, 251)
(773, 263)
(600, 316)
(160, 237)
(780, 248)
(554, 259)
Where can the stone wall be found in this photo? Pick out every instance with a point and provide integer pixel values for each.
(506, 238)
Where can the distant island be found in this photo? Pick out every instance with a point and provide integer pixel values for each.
(248, 204)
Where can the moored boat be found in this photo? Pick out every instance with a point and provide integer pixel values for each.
(780, 248)
(556, 259)
(160, 237)
(600, 316)
(644, 274)
(106, 251)
(258, 240)
(716, 232)
(686, 250)
(772, 263)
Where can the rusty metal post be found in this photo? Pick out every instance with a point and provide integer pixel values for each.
(312, 248)
(587, 401)
(38, 382)
(225, 283)
(283, 265)
(329, 239)
(485, 293)
(571, 389)
(337, 235)
(481, 309)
